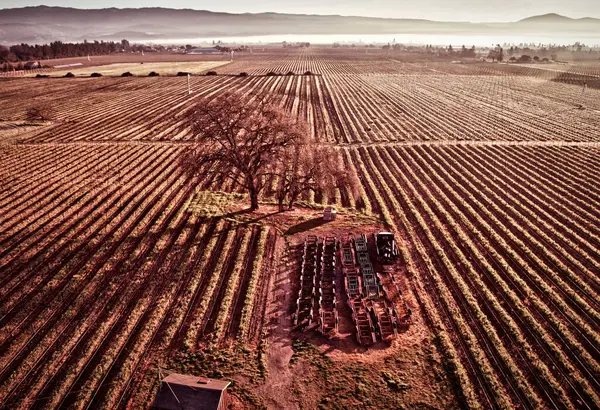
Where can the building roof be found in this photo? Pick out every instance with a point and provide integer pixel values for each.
(195, 381)
(185, 392)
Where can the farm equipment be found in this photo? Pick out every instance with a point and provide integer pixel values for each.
(370, 282)
(363, 258)
(347, 254)
(385, 318)
(304, 312)
(373, 312)
(353, 282)
(362, 320)
(360, 243)
(329, 322)
(328, 318)
(387, 251)
(304, 302)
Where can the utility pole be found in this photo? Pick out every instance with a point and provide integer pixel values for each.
(189, 89)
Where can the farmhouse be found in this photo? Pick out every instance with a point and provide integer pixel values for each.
(180, 391)
(204, 50)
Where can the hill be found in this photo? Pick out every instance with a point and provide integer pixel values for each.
(557, 18)
(547, 18)
(43, 24)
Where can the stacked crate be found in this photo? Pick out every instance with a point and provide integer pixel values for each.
(328, 319)
(308, 272)
(365, 334)
(386, 318)
(352, 281)
(369, 279)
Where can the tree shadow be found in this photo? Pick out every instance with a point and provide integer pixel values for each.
(306, 226)
(248, 211)
(238, 212)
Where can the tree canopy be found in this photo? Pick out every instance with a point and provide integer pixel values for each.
(253, 141)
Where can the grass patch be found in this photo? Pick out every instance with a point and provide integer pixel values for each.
(214, 203)
(350, 385)
(307, 351)
(393, 382)
(164, 68)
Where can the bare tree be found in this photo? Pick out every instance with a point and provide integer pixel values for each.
(39, 113)
(304, 168)
(496, 54)
(240, 140)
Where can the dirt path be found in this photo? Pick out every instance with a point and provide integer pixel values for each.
(277, 390)
(11, 132)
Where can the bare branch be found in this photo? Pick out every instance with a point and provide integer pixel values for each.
(240, 141)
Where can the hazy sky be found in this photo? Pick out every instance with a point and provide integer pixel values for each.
(462, 10)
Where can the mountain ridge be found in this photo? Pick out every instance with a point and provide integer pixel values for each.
(531, 18)
(554, 17)
(71, 24)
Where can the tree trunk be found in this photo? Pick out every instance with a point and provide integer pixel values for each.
(253, 195)
(293, 198)
(253, 200)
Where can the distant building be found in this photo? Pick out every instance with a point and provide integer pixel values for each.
(204, 50)
(185, 392)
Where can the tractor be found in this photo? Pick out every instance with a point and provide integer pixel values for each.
(387, 251)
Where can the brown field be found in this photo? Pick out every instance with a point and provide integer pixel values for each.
(113, 264)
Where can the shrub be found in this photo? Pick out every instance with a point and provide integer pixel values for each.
(243, 74)
(525, 58)
(153, 74)
(182, 74)
(271, 74)
(545, 60)
(42, 76)
(69, 75)
(211, 73)
(39, 113)
(95, 75)
(308, 73)
(127, 74)
(291, 73)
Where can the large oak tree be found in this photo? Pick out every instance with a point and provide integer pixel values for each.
(239, 139)
(252, 141)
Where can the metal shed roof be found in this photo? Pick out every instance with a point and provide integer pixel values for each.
(185, 392)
